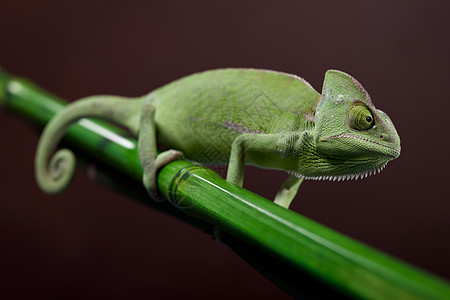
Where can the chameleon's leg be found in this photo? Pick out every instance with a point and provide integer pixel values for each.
(288, 191)
(235, 173)
(250, 142)
(269, 143)
(151, 161)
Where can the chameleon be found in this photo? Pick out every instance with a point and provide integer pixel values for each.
(239, 116)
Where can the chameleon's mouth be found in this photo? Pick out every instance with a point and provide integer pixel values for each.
(359, 175)
(392, 151)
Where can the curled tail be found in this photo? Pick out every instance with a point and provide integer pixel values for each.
(54, 173)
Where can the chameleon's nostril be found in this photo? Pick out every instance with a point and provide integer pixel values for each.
(381, 136)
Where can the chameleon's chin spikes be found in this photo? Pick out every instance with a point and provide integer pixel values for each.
(356, 176)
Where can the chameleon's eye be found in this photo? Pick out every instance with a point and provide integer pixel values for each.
(360, 117)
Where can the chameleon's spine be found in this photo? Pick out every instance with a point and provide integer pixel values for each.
(54, 173)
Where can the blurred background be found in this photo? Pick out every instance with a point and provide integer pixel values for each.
(91, 242)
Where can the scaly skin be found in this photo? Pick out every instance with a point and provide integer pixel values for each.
(241, 116)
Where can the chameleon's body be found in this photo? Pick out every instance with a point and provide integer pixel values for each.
(236, 116)
(213, 108)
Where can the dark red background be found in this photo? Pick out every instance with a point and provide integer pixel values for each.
(91, 242)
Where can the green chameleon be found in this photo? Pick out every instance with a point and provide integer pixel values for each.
(239, 116)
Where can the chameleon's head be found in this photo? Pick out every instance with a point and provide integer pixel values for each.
(354, 137)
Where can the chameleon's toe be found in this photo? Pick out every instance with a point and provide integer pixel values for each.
(150, 179)
(167, 157)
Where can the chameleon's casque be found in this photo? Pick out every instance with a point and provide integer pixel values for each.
(240, 116)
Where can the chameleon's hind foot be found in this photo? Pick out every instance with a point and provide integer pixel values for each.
(150, 177)
(288, 191)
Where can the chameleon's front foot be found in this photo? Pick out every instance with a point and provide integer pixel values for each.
(151, 175)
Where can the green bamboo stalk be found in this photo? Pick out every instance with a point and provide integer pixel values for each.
(300, 243)
(279, 272)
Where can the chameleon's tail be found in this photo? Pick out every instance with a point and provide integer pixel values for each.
(54, 173)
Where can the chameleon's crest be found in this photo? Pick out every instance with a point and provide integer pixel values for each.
(340, 86)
